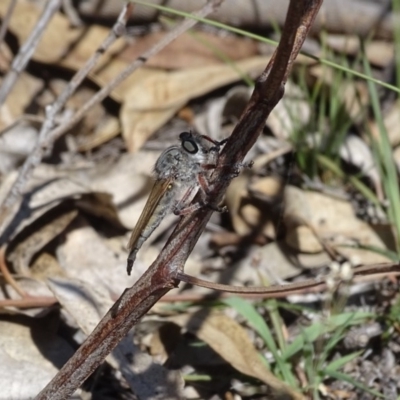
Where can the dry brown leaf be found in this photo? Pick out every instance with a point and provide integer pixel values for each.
(45, 266)
(162, 94)
(22, 254)
(379, 52)
(226, 337)
(138, 126)
(335, 221)
(25, 89)
(296, 216)
(67, 46)
(246, 214)
(107, 130)
(191, 50)
(391, 120)
(302, 239)
(58, 36)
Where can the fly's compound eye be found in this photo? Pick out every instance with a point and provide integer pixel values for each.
(188, 143)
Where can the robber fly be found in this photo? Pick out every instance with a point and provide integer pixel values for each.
(180, 172)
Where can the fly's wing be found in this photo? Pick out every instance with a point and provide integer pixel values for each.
(157, 205)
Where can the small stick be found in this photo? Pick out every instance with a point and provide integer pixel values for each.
(27, 49)
(161, 276)
(7, 276)
(29, 302)
(361, 274)
(71, 13)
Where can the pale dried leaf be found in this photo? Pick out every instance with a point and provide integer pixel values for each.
(290, 114)
(86, 256)
(334, 220)
(29, 354)
(106, 131)
(247, 215)
(47, 188)
(378, 52)
(296, 216)
(355, 151)
(24, 251)
(58, 36)
(191, 50)
(302, 238)
(164, 93)
(15, 145)
(226, 108)
(22, 94)
(391, 120)
(337, 16)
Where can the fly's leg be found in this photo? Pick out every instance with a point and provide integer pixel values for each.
(204, 190)
(197, 206)
(180, 208)
(217, 144)
(233, 170)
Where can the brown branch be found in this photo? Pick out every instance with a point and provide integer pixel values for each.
(6, 274)
(163, 273)
(120, 319)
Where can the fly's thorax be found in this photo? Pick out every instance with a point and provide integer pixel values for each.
(168, 163)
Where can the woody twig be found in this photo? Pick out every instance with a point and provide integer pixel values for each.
(163, 274)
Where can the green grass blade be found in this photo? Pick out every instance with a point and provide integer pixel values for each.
(247, 310)
(343, 377)
(265, 40)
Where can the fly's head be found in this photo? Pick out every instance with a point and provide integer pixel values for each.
(184, 162)
(194, 146)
